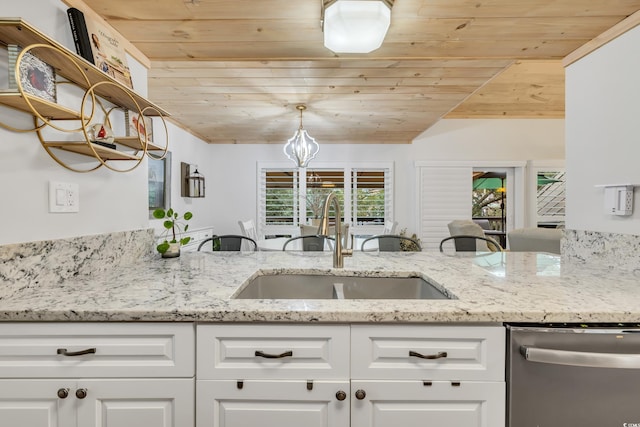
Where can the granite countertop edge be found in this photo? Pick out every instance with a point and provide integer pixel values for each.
(198, 287)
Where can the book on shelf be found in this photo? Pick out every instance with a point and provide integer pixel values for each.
(80, 34)
(105, 46)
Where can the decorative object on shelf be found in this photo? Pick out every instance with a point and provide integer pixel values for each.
(105, 47)
(176, 225)
(35, 76)
(355, 26)
(101, 134)
(159, 183)
(192, 181)
(301, 148)
(138, 125)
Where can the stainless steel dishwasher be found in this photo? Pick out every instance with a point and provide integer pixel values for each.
(573, 376)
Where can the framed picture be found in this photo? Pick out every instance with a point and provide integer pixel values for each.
(135, 125)
(36, 76)
(159, 183)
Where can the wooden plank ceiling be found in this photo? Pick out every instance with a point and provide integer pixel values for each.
(233, 71)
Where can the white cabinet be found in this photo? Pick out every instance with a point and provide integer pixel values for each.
(103, 375)
(272, 375)
(416, 375)
(281, 403)
(419, 404)
(408, 375)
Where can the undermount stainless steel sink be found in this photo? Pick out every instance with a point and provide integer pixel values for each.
(309, 286)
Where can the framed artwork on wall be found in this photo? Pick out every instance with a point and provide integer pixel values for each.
(159, 183)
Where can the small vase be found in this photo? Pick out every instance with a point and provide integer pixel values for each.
(173, 251)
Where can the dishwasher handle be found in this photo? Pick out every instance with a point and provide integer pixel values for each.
(579, 358)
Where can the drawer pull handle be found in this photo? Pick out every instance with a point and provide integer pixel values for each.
(341, 395)
(64, 352)
(274, 356)
(439, 355)
(360, 394)
(81, 393)
(63, 393)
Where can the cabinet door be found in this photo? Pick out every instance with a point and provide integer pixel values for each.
(35, 403)
(225, 403)
(136, 403)
(418, 404)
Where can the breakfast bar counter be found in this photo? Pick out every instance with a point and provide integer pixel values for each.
(487, 287)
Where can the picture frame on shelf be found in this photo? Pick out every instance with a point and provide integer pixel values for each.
(36, 77)
(159, 183)
(134, 126)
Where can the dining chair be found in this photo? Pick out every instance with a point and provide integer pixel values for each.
(389, 227)
(472, 243)
(248, 229)
(310, 243)
(229, 242)
(391, 243)
(467, 229)
(312, 230)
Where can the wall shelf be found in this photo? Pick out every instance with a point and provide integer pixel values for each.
(16, 31)
(97, 87)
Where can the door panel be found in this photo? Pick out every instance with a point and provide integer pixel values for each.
(271, 403)
(136, 403)
(437, 403)
(35, 403)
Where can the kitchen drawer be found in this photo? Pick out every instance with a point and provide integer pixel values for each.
(460, 353)
(29, 350)
(272, 351)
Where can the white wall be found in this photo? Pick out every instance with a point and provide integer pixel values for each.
(603, 133)
(481, 140)
(109, 201)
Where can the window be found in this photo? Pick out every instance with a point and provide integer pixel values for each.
(550, 198)
(278, 204)
(320, 183)
(369, 196)
(290, 197)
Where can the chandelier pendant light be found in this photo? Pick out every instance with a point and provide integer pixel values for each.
(355, 26)
(301, 148)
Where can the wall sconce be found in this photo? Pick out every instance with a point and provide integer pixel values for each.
(192, 181)
(355, 26)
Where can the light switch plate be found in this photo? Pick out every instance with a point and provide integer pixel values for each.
(64, 197)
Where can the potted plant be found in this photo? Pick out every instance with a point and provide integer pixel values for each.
(174, 224)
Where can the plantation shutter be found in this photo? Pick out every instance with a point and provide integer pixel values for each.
(278, 203)
(444, 195)
(371, 196)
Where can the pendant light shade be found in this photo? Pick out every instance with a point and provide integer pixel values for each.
(356, 26)
(301, 148)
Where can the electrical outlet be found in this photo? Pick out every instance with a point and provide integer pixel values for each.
(64, 197)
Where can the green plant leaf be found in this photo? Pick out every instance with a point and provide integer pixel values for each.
(168, 224)
(170, 213)
(185, 240)
(163, 247)
(158, 213)
(188, 216)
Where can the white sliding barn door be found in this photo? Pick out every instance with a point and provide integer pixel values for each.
(444, 194)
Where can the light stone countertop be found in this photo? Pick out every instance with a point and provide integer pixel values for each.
(496, 287)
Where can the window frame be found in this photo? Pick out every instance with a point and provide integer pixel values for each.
(347, 168)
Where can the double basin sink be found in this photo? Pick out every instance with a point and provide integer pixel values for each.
(316, 286)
